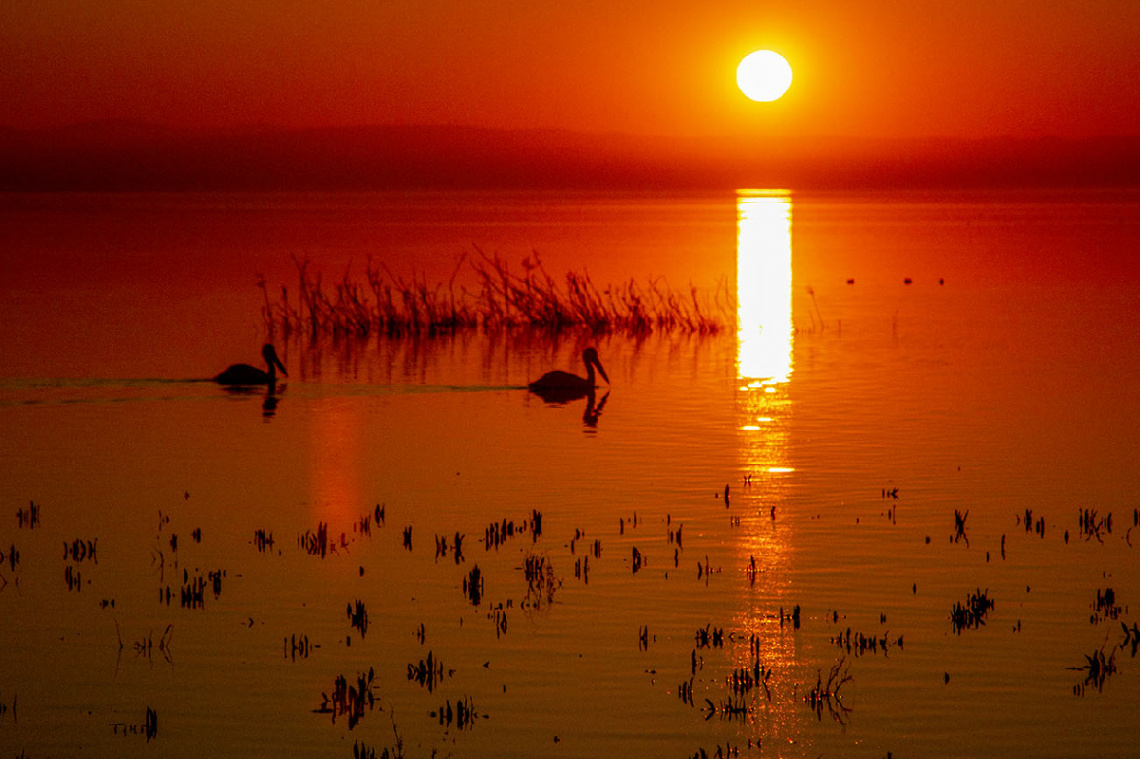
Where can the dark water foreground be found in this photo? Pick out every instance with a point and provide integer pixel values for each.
(906, 525)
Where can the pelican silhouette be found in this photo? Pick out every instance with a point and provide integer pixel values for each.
(244, 374)
(560, 387)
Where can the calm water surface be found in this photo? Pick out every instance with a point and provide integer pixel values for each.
(626, 606)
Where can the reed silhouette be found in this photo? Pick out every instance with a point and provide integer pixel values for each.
(349, 700)
(960, 527)
(428, 673)
(392, 305)
(826, 693)
(1098, 667)
(972, 614)
(462, 715)
(30, 517)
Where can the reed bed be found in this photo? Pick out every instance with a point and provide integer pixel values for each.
(386, 304)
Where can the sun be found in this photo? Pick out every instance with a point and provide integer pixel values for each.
(764, 76)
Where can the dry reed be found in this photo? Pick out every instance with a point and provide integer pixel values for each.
(386, 304)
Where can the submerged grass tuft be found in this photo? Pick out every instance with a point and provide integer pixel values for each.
(386, 304)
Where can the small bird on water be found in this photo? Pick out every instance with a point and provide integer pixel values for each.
(559, 386)
(244, 374)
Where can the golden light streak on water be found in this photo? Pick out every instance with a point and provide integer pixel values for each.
(764, 287)
(764, 370)
(765, 334)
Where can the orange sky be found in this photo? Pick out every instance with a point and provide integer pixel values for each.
(866, 68)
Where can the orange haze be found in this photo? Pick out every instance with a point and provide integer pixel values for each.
(971, 70)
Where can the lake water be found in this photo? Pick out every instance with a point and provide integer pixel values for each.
(870, 517)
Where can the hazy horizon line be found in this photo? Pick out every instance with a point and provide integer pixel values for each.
(246, 127)
(126, 154)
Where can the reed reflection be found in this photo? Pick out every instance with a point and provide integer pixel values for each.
(764, 368)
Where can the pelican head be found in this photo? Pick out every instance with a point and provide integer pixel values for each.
(272, 362)
(590, 358)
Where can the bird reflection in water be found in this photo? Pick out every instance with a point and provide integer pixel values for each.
(593, 410)
(269, 405)
(559, 387)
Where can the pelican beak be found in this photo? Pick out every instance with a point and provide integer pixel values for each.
(601, 371)
(273, 361)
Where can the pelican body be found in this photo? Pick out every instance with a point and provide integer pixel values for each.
(244, 374)
(559, 386)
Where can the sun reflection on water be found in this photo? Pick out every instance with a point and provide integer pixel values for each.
(765, 332)
(764, 368)
(764, 287)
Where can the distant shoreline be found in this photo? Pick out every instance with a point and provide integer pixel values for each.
(133, 155)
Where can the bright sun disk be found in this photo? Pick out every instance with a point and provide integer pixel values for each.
(764, 76)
